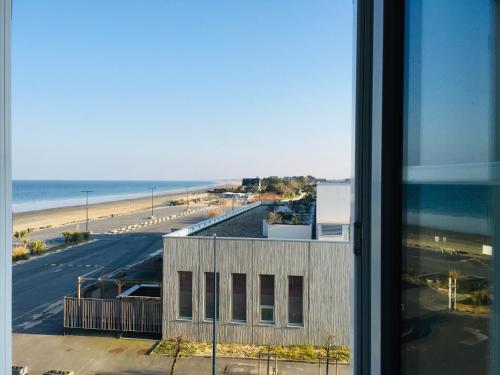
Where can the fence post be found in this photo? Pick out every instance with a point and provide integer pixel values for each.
(78, 287)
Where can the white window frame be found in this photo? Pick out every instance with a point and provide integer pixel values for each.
(5, 191)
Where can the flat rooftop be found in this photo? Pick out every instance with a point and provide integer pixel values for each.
(246, 225)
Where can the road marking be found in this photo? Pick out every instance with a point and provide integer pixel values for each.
(477, 336)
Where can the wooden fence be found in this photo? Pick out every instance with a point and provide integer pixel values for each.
(124, 315)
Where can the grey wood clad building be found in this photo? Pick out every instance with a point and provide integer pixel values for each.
(306, 296)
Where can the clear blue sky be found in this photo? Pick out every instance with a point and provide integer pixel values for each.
(157, 89)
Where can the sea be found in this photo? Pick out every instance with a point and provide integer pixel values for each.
(32, 195)
(456, 207)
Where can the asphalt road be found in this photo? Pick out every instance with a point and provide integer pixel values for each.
(106, 224)
(40, 284)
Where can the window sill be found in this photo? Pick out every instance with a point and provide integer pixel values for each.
(291, 325)
(181, 319)
(267, 324)
(239, 322)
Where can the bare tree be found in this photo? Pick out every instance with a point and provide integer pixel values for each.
(178, 343)
(329, 346)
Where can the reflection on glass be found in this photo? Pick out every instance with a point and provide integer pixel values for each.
(209, 295)
(239, 298)
(448, 182)
(186, 295)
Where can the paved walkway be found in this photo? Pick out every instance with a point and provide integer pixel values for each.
(107, 355)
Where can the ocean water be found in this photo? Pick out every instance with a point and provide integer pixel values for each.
(30, 195)
(456, 207)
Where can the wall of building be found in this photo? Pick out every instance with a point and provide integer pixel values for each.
(286, 231)
(333, 203)
(326, 268)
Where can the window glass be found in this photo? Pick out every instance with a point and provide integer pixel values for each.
(209, 295)
(295, 300)
(449, 188)
(185, 295)
(267, 298)
(239, 297)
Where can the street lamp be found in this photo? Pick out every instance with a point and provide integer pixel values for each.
(216, 300)
(187, 198)
(152, 192)
(86, 208)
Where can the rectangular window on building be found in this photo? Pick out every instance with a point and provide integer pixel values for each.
(267, 298)
(296, 300)
(185, 295)
(209, 295)
(239, 297)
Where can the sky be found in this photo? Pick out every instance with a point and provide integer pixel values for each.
(186, 89)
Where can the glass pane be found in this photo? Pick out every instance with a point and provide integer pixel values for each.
(267, 290)
(295, 300)
(267, 314)
(448, 200)
(209, 295)
(185, 294)
(239, 299)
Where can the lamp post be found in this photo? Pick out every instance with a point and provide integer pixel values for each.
(86, 208)
(187, 198)
(214, 325)
(152, 191)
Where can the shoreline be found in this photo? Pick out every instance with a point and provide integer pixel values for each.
(55, 217)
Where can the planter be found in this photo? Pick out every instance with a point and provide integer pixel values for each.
(58, 372)
(19, 370)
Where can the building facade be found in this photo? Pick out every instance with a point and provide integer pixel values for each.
(271, 291)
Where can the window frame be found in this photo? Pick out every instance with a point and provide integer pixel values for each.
(377, 176)
(272, 307)
(5, 190)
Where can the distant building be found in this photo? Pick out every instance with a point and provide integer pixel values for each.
(333, 211)
(231, 195)
(251, 183)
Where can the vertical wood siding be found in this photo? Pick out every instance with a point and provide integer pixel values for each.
(325, 267)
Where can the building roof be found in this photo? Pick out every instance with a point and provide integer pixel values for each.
(246, 225)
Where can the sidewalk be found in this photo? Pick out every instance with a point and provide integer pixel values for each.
(107, 355)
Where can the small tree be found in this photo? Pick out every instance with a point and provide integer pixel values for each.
(178, 343)
(329, 347)
(23, 235)
(17, 236)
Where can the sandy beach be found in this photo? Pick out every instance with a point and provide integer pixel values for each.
(54, 217)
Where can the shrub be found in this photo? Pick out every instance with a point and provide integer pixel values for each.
(214, 212)
(74, 238)
(177, 202)
(36, 247)
(20, 253)
(274, 218)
